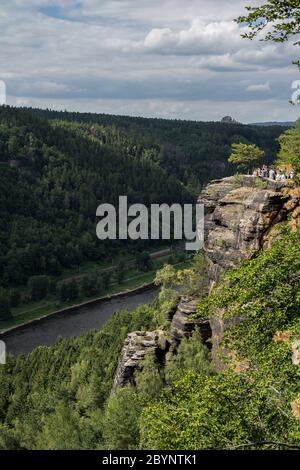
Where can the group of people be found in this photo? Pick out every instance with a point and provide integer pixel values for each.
(273, 174)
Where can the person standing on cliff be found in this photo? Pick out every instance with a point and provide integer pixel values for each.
(272, 174)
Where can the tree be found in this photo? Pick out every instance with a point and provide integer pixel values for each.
(121, 420)
(281, 19)
(61, 431)
(14, 297)
(149, 381)
(192, 355)
(68, 290)
(90, 284)
(244, 155)
(106, 279)
(144, 261)
(38, 287)
(289, 154)
(121, 272)
(5, 312)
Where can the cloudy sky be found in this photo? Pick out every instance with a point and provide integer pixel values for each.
(163, 58)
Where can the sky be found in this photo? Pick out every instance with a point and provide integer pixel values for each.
(182, 59)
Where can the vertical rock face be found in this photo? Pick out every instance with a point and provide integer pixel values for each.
(138, 343)
(240, 215)
(135, 347)
(183, 324)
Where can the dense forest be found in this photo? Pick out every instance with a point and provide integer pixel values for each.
(59, 397)
(56, 168)
(194, 152)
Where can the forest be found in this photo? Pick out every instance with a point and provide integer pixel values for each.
(60, 397)
(56, 168)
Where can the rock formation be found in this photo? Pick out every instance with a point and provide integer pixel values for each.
(138, 343)
(135, 347)
(183, 324)
(242, 215)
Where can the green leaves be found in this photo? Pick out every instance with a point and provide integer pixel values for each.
(280, 19)
(245, 155)
(289, 154)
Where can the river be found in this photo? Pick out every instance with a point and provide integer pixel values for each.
(67, 325)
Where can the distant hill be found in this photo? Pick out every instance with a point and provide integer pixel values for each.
(274, 123)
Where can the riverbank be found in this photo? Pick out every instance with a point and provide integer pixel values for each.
(133, 285)
(134, 278)
(74, 321)
(75, 308)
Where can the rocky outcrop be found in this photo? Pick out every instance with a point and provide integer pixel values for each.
(135, 347)
(242, 216)
(183, 324)
(240, 213)
(138, 343)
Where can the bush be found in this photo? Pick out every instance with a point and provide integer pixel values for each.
(38, 287)
(144, 261)
(68, 290)
(5, 312)
(14, 297)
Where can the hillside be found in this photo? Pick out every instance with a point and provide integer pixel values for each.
(194, 152)
(191, 371)
(56, 168)
(53, 176)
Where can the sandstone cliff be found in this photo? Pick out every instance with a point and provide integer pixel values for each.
(243, 214)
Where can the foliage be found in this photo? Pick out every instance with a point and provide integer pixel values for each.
(253, 401)
(289, 154)
(192, 355)
(283, 15)
(5, 311)
(54, 397)
(38, 287)
(245, 155)
(121, 271)
(280, 19)
(144, 261)
(120, 423)
(149, 381)
(68, 290)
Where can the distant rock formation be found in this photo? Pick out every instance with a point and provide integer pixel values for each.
(228, 120)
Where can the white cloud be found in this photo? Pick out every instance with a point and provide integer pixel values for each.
(139, 55)
(260, 87)
(201, 38)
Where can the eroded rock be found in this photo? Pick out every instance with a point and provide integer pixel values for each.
(240, 217)
(183, 324)
(135, 347)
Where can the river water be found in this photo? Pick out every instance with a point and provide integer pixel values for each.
(67, 325)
